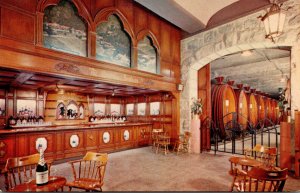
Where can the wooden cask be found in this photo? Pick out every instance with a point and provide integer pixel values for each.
(268, 111)
(242, 107)
(223, 103)
(261, 107)
(253, 109)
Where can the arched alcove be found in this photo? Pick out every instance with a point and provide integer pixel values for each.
(239, 35)
(64, 30)
(113, 43)
(147, 55)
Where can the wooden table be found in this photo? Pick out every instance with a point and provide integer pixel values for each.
(244, 162)
(55, 183)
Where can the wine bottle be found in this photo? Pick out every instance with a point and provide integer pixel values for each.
(41, 169)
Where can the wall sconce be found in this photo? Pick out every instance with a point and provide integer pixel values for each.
(179, 87)
(274, 21)
(259, 107)
(250, 106)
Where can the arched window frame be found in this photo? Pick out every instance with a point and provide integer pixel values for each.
(147, 33)
(81, 10)
(103, 16)
(124, 29)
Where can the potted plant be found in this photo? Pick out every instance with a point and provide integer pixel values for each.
(196, 108)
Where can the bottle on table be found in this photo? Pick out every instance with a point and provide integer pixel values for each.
(42, 172)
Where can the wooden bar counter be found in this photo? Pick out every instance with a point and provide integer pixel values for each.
(72, 140)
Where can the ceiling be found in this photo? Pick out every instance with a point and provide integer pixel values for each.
(28, 80)
(263, 70)
(195, 15)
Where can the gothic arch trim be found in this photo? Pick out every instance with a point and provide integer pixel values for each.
(103, 15)
(142, 34)
(82, 10)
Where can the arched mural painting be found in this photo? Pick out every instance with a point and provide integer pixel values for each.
(113, 43)
(64, 30)
(147, 55)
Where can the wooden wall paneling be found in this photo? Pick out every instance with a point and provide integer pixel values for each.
(28, 94)
(7, 147)
(99, 5)
(17, 25)
(49, 152)
(10, 107)
(129, 143)
(26, 5)
(70, 151)
(154, 26)
(166, 44)
(204, 92)
(59, 145)
(140, 19)
(112, 142)
(91, 140)
(126, 7)
(143, 135)
(91, 101)
(165, 68)
(88, 4)
(0, 21)
(22, 145)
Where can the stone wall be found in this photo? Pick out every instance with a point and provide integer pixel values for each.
(243, 34)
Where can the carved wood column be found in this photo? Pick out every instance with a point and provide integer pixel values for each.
(92, 39)
(39, 29)
(134, 55)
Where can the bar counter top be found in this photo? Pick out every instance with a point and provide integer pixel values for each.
(69, 127)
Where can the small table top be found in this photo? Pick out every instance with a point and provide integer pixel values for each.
(55, 183)
(243, 161)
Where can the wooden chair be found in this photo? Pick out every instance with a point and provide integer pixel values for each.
(89, 172)
(259, 180)
(258, 151)
(163, 142)
(155, 134)
(19, 168)
(183, 144)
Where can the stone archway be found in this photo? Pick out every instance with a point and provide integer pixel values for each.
(236, 36)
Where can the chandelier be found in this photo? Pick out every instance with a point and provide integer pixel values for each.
(274, 21)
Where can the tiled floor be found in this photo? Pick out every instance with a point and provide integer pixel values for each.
(143, 170)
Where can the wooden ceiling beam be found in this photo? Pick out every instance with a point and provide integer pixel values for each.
(21, 79)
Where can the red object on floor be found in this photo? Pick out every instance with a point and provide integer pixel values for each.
(285, 145)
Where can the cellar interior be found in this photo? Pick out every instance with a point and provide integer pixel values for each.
(250, 94)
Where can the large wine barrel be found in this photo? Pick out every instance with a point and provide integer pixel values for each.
(261, 107)
(223, 103)
(274, 109)
(253, 109)
(268, 111)
(242, 107)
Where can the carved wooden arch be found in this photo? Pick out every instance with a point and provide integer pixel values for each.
(82, 10)
(144, 33)
(103, 15)
(147, 33)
